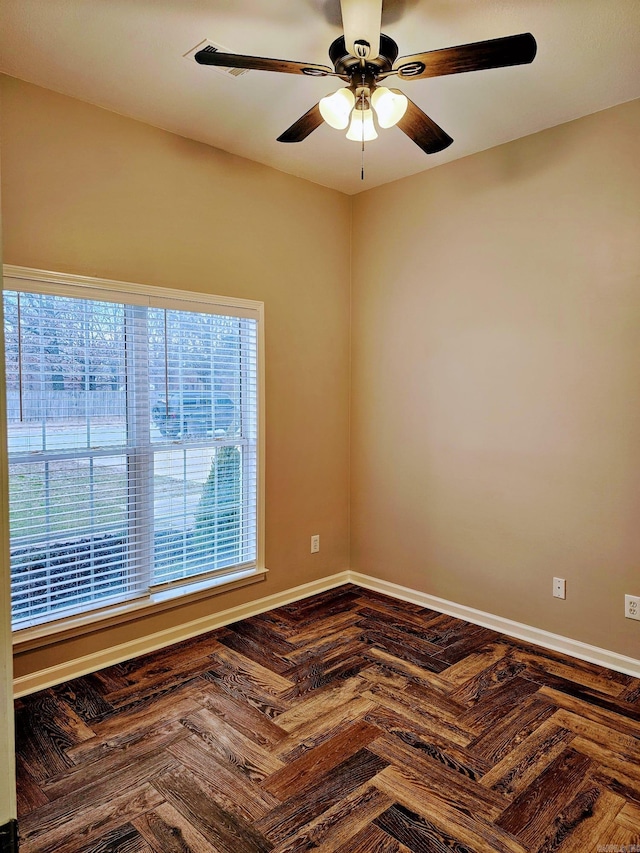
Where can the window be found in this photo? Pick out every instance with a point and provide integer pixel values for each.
(133, 444)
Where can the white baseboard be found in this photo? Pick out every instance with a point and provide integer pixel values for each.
(41, 679)
(536, 636)
(26, 684)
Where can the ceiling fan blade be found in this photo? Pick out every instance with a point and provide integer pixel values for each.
(305, 125)
(259, 63)
(361, 22)
(423, 131)
(478, 56)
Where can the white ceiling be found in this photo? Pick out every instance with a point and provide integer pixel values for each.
(128, 56)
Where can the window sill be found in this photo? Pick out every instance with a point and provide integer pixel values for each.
(39, 636)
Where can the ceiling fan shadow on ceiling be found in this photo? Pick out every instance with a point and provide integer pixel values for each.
(364, 58)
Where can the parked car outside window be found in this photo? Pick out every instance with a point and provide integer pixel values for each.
(193, 413)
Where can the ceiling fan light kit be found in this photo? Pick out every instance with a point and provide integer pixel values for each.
(389, 106)
(364, 58)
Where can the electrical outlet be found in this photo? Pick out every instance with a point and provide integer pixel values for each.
(559, 588)
(315, 544)
(632, 606)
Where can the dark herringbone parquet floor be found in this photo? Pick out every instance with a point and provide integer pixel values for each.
(345, 723)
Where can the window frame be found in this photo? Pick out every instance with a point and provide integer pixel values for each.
(156, 600)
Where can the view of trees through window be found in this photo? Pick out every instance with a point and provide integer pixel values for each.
(132, 449)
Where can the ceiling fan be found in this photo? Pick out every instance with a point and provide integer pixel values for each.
(364, 58)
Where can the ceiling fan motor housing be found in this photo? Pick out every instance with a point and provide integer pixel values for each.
(346, 64)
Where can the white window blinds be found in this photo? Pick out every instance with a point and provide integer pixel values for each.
(133, 438)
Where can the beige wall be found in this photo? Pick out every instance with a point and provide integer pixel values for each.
(496, 379)
(90, 192)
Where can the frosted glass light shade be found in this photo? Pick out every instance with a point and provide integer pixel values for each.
(335, 109)
(389, 106)
(358, 119)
